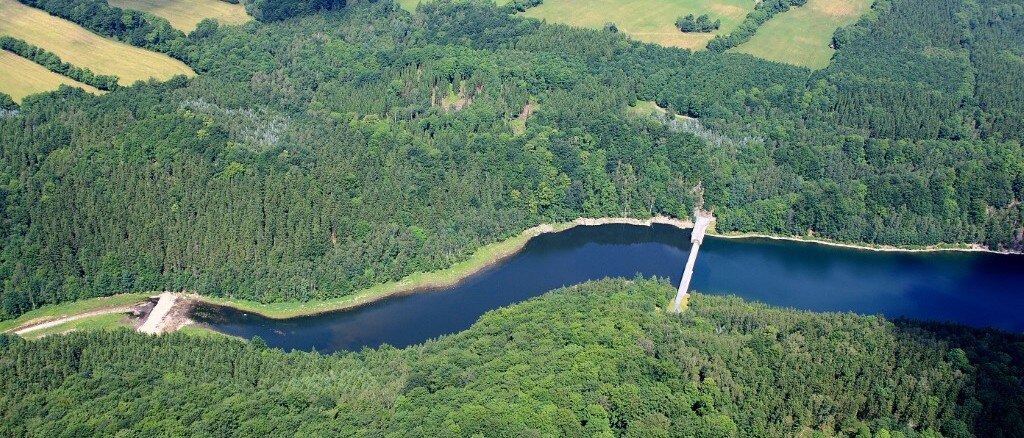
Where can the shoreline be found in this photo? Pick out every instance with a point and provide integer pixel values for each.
(976, 248)
(486, 257)
(483, 258)
(489, 255)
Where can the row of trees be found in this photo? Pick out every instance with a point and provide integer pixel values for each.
(595, 359)
(53, 63)
(274, 10)
(702, 23)
(128, 25)
(763, 11)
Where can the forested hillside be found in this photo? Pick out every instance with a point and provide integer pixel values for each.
(317, 155)
(596, 359)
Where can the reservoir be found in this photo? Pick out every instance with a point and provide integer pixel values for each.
(971, 288)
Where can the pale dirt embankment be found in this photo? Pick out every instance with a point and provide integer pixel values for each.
(169, 314)
(678, 223)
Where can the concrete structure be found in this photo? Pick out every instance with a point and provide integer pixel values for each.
(701, 222)
(155, 323)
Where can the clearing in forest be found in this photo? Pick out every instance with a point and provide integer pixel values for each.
(20, 77)
(652, 21)
(80, 47)
(184, 15)
(803, 35)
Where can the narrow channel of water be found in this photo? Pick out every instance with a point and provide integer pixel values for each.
(976, 289)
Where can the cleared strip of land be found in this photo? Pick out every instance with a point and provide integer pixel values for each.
(20, 77)
(78, 46)
(63, 310)
(651, 21)
(184, 15)
(65, 320)
(802, 35)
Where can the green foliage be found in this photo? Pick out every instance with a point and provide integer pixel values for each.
(522, 5)
(763, 11)
(701, 24)
(596, 359)
(274, 10)
(7, 103)
(130, 26)
(53, 63)
(322, 155)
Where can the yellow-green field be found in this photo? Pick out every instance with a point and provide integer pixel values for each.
(186, 14)
(409, 5)
(802, 35)
(93, 323)
(652, 21)
(77, 46)
(57, 311)
(20, 77)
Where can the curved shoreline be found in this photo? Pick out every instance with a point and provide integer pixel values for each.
(481, 259)
(491, 254)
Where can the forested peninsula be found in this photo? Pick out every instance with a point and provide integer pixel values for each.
(595, 359)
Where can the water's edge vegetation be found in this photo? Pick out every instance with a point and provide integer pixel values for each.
(491, 254)
(593, 359)
(483, 258)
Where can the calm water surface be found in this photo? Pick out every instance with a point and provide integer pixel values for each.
(977, 289)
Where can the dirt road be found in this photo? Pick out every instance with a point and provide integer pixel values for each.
(66, 319)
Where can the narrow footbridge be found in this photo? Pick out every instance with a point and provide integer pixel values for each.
(702, 220)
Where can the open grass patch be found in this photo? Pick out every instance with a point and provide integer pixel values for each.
(184, 15)
(204, 332)
(78, 46)
(651, 21)
(49, 313)
(802, 35)
(20, 77)
(93, 323)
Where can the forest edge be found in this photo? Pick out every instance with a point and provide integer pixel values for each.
(482, 259)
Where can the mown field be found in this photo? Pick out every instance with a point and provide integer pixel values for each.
(20, 77)
(802, 35)
(77, 46)
(652, 21)
(186, 14)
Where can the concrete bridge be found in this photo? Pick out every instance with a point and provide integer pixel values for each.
(702, 220)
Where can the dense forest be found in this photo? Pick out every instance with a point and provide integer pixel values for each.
(317, 155)
(598, 359)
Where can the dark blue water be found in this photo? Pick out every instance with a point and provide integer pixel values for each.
(976, 289)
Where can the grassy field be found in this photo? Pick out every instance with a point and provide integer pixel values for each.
(203, 332)
(409, 5)
(802, 35)
(652, 21)
(186, 14)
(52, 312)
(99, 322)
(20, 77)
(646, 108)
(78, 46)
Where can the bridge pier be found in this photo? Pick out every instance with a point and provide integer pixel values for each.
(701, 222)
